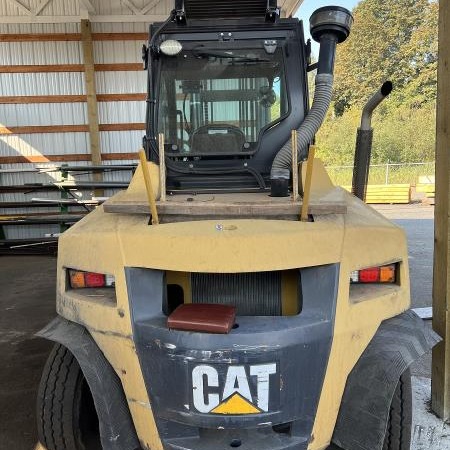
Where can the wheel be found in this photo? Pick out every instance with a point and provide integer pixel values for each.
(398, 433)
(66, 416)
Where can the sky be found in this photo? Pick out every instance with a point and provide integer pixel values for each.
(309, 6)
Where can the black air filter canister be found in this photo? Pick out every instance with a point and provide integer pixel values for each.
(253, 294)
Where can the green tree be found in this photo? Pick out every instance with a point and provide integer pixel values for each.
(390, 39)
(396, 40)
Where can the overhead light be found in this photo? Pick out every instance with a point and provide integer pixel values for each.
(171, 47)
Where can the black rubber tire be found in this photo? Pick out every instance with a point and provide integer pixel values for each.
(398, 433)
(66, 417)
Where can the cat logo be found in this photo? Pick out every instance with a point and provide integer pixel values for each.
(244, 391)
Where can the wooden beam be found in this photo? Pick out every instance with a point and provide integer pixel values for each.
(120, 36)
(120, 67)
(122, 127)
(39, 129)
(37, 68)
(441, 276)
(29, 99)
(67, 157)
(136, 97)
(71, 37)
(91, 94)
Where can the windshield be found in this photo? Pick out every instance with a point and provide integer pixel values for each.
(215, 101)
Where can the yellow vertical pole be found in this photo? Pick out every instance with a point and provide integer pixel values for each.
(149, 187)
(307, 187)
(162, 167)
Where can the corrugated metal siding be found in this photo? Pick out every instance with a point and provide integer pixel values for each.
(66, 113)
(41, 83)
(120, 83)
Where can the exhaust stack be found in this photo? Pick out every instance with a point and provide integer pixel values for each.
(364, 140)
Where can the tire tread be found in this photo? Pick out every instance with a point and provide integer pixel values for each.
(59, 381)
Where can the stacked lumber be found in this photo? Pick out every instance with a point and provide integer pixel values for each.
(387, 193)
(426, 185)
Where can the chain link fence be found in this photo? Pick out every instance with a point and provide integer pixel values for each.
(384, 173)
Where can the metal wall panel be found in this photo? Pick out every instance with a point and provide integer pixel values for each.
(43, 114)
(15, 84)
(121, 82)
(44, 144)
(71, 83)
(121, 141)
(18, 28)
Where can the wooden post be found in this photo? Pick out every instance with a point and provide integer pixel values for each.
(294, 165)
(307, 188)
(441, 276)
(91, 96)
(162, 167)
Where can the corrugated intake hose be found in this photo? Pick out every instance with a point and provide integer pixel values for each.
(311, 124)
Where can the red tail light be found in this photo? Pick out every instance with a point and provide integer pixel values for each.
(80, 279)
(382, 274)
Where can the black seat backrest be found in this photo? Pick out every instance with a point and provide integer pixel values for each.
(217, 139)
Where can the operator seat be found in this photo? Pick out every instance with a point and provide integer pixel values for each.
(220, 138)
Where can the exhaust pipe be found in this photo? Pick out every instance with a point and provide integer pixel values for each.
(329, 26)
(364, 140)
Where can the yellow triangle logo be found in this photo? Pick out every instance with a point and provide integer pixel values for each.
(236, 404)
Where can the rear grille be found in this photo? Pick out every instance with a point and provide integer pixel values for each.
(253, 294)
(202, 9)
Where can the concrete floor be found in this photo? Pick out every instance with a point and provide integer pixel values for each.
(27, 304)
(27, 286)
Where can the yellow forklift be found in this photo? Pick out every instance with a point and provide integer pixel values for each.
(232, 296)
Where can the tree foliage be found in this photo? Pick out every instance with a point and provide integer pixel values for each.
(391, 40)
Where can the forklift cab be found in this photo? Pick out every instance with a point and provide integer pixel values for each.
(225, 94)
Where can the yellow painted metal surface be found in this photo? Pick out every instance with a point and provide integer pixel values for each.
(107, 243)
